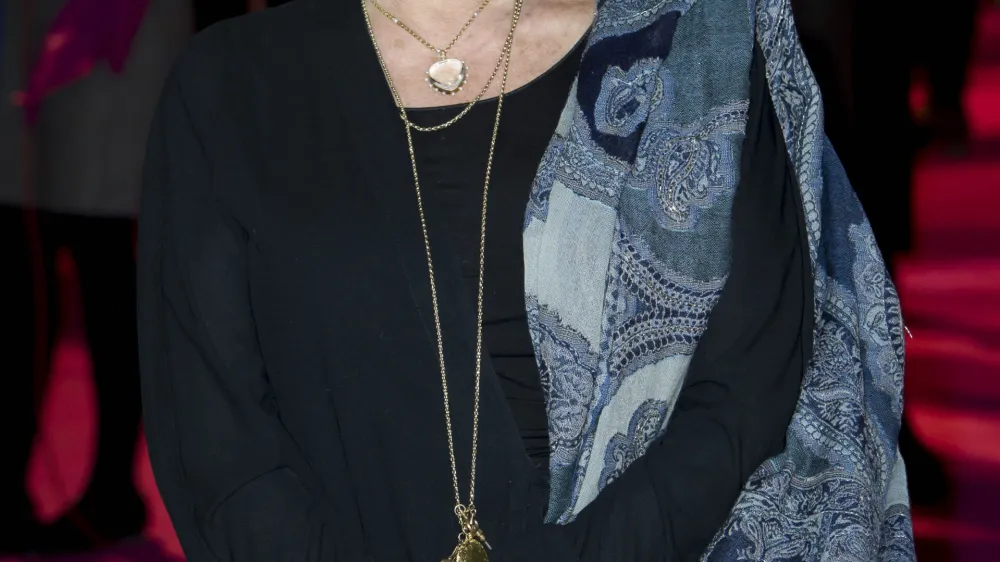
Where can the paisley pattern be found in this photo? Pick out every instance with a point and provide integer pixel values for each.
(647, 423)
(638, 178)
(659, 316)
(617, 17)
(685, 167)
(626, 97)
(569, 394)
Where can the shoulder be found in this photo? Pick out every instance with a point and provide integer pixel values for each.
(239, 59)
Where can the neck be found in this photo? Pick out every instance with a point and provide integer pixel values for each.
(439, 9)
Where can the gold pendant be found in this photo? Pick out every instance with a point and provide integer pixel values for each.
(472, 543)
(469, 550)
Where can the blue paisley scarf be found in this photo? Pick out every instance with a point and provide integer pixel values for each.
(626, 246)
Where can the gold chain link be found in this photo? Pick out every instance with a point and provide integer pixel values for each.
(465, 512)
(496, 69)
(442, 53)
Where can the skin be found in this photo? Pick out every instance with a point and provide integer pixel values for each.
(546, 32)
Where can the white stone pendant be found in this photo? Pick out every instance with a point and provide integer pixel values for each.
(447, 76)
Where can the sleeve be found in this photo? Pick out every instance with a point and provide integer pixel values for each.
(232, 478)
(743, 381)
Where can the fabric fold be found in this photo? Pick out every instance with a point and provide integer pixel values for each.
(640, 178)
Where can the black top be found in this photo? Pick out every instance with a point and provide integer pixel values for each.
(451, 163)
(290, 384)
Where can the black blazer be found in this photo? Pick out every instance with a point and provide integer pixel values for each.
(291, 392)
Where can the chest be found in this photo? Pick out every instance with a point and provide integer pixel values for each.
(327, 195)
(336, 224)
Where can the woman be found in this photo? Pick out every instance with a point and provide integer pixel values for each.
(317, 267)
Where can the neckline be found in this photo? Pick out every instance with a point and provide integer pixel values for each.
(580, 43)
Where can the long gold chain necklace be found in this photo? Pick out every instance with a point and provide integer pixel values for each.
(447, 75)
(472, 543)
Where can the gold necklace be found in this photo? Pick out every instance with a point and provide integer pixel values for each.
(472, 543)
(447, 75)
(496, 69)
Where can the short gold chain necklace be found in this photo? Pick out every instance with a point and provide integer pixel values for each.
(447, 75)
(472, 543)
(468, 107)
